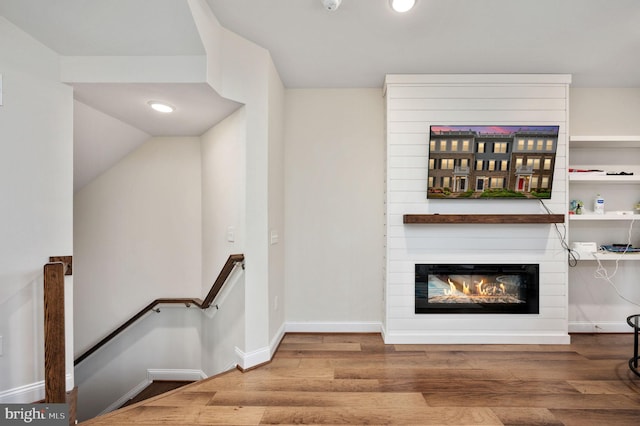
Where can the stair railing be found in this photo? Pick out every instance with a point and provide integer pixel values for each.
(228, 267)
(54, 336)
(55, 377)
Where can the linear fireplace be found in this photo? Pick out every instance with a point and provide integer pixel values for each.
(476, 289)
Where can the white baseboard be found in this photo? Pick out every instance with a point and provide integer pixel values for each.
(599, 327)
(247, 360)
(175, 375)
(275, 342)
(262, 355)
(251, 359)
(124, 398)
(29, 393)
(477, 339)
(155, 374)
(333, 327)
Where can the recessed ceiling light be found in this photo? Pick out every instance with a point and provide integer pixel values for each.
(161, 106)
(402, 6)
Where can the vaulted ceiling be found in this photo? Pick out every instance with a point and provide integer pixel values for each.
(597, 41)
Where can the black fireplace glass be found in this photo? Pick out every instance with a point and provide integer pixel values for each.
(477, 288)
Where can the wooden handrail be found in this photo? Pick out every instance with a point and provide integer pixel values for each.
(202, 304)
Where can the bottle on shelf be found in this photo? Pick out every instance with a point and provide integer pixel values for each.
(598, 205)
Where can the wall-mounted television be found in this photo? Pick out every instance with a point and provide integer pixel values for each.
(491, 161)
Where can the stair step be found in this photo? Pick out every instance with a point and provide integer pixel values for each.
(157, 387)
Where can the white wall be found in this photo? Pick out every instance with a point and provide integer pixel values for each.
(334, 168)
(413, 104)
(169, 340)
(277, 232)
(36, 183)
(137, 238)
(137, 235)
(609, 111)
(594, 303)
(135, 228)
(223, 207)
(243, 71)
(223, 194)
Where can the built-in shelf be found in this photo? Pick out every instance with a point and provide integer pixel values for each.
(482, 218)
(597, 155)
(604, 142)
(627, 215)
(604, 178)
(610, 256)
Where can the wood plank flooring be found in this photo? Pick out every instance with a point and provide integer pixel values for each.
(357, 379)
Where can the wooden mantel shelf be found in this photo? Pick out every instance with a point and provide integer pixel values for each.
(482, 218)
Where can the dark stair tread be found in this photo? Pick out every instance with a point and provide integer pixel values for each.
(157, 387)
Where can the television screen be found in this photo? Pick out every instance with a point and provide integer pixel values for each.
(488, 162)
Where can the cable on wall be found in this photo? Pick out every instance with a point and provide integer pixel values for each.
(602, 273)
(562, 235)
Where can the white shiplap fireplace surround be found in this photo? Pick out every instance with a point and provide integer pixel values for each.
(413, 103)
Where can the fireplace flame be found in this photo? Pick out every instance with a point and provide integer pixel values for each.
(476, 289)
(452, 288)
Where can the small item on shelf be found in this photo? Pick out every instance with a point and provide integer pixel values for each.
(572, 170)
(619, 173)
(598, 205)
(636, 208)
(620, 248)
(579, 207)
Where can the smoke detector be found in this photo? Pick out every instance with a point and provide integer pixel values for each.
(331, 5)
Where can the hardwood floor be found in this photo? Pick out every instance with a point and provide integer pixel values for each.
(357, 379)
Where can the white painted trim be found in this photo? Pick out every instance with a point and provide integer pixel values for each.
(275, 342)
(477, 339)
(175, 374)
(155, 374)
(253, 358)
(23, 394)
(126, 397)
(333, 327)
(599, 327)
(443, 79)
(262, 355)
(29, 393)
(110, 69)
